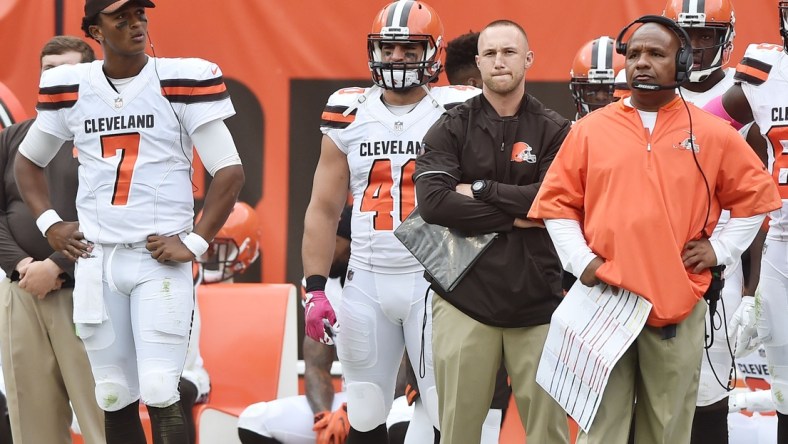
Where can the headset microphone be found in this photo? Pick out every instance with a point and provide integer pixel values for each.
(653, 86)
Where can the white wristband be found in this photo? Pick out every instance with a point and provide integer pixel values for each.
(196, 244)
(46, 220)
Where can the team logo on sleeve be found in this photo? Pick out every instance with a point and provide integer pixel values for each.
(522, 152)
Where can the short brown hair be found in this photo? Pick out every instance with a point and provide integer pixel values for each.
(504, 22)
(62, 44)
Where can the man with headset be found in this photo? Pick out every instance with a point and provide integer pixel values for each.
(630, 202)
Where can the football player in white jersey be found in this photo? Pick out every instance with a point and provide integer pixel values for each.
(710, 26)
(320, 416)
(592, 77)
(371, 139)
(134, 119)
(752, 418)
(760, 94)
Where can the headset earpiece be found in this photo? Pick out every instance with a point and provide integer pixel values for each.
(621, 47)
(684, 60)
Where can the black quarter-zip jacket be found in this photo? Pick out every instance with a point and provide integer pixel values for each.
(517, 281)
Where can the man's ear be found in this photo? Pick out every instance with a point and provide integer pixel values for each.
(529, 59)
(95, 32)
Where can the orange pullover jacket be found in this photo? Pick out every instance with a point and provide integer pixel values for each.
(640, 197)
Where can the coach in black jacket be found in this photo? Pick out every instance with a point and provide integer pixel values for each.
(482, 165)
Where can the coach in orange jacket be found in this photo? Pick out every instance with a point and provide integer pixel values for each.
(630, 201)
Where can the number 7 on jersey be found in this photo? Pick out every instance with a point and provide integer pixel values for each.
(128, 147)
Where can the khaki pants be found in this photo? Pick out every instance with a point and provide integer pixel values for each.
(467, 355)
(45, 366)
(663, 375)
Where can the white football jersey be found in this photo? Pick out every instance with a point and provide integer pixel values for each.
(763, 74)
(753, 370)
(381, 150)
(134, 147)
(700, 99)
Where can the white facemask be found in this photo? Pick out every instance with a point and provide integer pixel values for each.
(401, 78)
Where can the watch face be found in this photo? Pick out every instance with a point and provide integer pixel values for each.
(477, 186)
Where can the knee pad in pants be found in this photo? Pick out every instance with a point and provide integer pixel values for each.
(256, 418)
(112, 391)
(159, 388)
(366, 408)
(780, 388)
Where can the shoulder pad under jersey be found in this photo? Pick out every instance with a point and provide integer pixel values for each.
(335, 113)
(59, 86)
(453, 95)
(191, 80)
(757, 63)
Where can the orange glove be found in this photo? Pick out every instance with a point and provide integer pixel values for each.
(411, 393)
(332, 427)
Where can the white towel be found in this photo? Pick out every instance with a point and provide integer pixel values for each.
(89, 288)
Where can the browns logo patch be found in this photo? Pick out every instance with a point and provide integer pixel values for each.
(522, 152)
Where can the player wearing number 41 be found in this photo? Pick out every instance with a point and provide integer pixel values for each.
(134, 119)
(760, 94)
(371, 139)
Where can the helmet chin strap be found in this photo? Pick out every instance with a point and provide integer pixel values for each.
(361, 99)
(699, 75)
(427, 90)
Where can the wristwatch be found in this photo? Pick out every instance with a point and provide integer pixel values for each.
(477, 188)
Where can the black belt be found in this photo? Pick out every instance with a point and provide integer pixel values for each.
(668, 331)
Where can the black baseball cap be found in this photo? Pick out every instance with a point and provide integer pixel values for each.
(93, 7)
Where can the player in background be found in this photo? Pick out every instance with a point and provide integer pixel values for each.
(752, 418)
(292, 420)
(620, 87)
(710, 26)
(136, 239)
(371, 139)
(593, 83)
(593, 75)
(461, 66)
(233, 250)
(759, 94)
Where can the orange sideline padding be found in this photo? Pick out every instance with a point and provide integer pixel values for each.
(245, 343)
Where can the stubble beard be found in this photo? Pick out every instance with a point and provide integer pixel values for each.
(503, 88)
